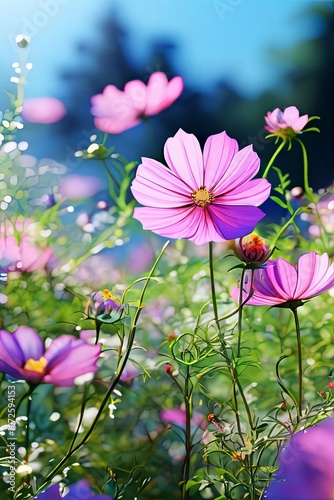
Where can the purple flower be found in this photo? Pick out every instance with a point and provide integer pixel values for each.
(116, 110)
(306, 469)
(77, 491)
(201, 196)
(285, 124)
(23, 356)
(281, 283)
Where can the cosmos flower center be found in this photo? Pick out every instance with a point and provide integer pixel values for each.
(106, 295)
(202, 197)
(36, 365)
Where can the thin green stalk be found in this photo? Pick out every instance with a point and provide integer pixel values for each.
(213, 289)
(240, 311)
(307, 189)
(272, 159)
(186, 463)
(114, 381)
(29, 401)
(300, 366)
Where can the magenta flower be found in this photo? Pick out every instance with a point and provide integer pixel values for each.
(285, 123)
(43, 110)
(281, 284)
(306, 466)
(77, 491)
(178, 417)
(116, 110)
(23, 356)
(200, 197)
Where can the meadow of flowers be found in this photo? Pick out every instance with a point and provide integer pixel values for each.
(202, 367)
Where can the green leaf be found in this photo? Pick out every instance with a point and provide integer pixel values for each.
(279, 201)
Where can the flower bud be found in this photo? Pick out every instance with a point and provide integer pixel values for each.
(22, 41)
(168, 369)
(105, 306)
(331, 384)
(252, 249)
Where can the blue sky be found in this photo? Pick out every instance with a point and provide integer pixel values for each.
(216, 39)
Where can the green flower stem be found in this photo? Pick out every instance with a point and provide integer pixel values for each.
(186, 463)
(213, 289)
(240, 311)
(114, 381)
(300, 366)
(111, 182)
(272, 159)
(27, 440)
(307, 189)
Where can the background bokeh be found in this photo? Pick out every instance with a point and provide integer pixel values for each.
(238, 60)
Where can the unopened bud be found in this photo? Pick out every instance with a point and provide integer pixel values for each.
(283, 406)
(171, 336)
(252, 249)
(331, 384)
(23, 41)
(168, 369)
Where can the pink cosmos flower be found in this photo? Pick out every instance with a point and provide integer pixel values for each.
(306, 469)
(23, 356)
(116, 110)
(43, 110)
(178, 417)
(20, 252)
(201, 196)
(281, 283)
(285, 123)
(76, 186)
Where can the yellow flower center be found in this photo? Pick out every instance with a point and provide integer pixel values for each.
(107, 295)
(202, 197)
(286, 133)
(36, 365)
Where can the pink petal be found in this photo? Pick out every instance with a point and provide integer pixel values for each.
(290, 115)
(156, 186)
(315, 275)
(243, 167)
(161, 93)
(170, 222)
(114, 111)
(69, 358)
(234, 221)
(283, 278)
(257, 299)
(193, 223)
(43, 110)
(219, 150)
(184, 157)
(300, 123)
(30, 342)
(137, 92)
(253, 192)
